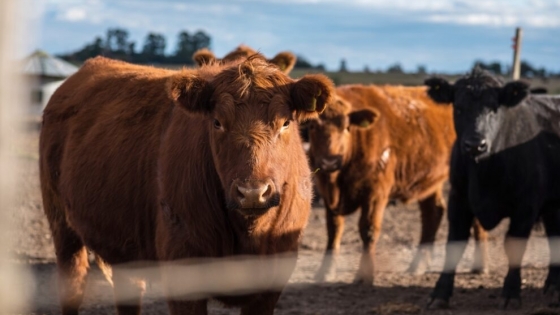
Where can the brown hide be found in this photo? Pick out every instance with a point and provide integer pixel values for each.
(418, 133)
(374, 144)
(284, 60)
(134, 167)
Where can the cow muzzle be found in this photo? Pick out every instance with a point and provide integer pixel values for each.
(255, 195)
(331, 163)
(475, 146)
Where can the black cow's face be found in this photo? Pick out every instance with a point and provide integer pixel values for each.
(480, 104)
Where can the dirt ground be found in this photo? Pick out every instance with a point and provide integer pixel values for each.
(395, 291)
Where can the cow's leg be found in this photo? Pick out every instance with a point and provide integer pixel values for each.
(186, 307)
(263, 305)
(335, 227)
(551, 221)
(431, 209)
(515, 245)
(72, 263)
(371, 219)
(480, 261)
(128, 290)
(460, 219)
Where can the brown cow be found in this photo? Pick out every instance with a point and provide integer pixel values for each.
(139, 163)
(284, 60)
(374, 144)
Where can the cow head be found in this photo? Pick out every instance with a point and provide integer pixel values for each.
(329, 135)
(480, 103)
(251, 111)
(284, 60)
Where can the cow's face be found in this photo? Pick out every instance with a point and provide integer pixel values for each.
(480, 103)
(251, 113)
(330, 134)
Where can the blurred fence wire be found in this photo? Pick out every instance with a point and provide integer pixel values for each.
(11, 283)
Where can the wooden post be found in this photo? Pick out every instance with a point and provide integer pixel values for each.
(516, 54)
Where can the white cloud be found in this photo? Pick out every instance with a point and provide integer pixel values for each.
(74, 14)
(532, 13)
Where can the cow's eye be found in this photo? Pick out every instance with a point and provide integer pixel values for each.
(217, 124)
(286, 124)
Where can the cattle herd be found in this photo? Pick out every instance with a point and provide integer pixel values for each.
(145, 164)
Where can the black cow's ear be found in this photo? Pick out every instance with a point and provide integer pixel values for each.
(440, 90)
(190, 92)
(310, 95)
(364, 118)
(513, 93)
(203, 57)
(285, 61)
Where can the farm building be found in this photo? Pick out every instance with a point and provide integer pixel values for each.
(44, 74)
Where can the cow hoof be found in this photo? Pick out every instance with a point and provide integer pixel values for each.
(416, 270)
(437, 304)
(324, 275)
(480, 270)
(510, 303)
(421, 262)
(363, 281)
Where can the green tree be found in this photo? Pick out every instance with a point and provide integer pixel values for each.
(154, 48)
(395, 68)
(117, 44)
(188, 44)
(494, 67)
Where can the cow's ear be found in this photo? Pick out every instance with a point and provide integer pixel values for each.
(513, 93)
(310, 95)
(364, 118)
(440, 90)
(285, 61)
(203, 57)
(190, 92)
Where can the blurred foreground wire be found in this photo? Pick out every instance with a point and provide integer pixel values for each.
(11, 103)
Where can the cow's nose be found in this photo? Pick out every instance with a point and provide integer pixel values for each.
(331, 163)
(475, 146)
(254, 194)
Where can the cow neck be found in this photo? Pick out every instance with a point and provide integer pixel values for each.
(513, 127)
(330, 181)
(256, 235)
(366, 151)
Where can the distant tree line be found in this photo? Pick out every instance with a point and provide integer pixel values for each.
(117, 45)
(526, 70)
(302, 62)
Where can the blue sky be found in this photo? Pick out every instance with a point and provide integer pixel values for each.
(445, 36)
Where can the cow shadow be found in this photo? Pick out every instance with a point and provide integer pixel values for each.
(301, 298)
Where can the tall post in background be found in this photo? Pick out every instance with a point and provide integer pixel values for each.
(11, 282)
(516, 54)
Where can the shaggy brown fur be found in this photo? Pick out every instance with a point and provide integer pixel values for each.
(139, 163)
(374, 144)
(284, 60)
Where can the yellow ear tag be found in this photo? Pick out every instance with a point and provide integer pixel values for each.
(312, 106)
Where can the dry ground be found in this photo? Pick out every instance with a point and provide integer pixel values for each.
(395, 292)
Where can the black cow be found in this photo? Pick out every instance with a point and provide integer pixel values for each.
(505, 163)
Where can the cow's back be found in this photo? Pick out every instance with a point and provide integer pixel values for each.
(99, 142)
(418, 133)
